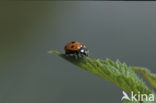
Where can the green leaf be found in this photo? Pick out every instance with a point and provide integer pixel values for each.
(151, 77)
(116, 72)
(127, 101)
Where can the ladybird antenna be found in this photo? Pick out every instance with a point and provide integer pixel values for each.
(90, 54)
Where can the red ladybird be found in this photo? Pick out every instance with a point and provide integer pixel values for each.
(76, 48)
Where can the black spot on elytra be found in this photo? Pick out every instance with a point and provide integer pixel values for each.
(73, 41)
(72, 46)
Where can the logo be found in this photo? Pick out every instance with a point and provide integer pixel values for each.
(137, 97)
(125, 96)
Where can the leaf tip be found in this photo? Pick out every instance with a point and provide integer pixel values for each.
(53, 52)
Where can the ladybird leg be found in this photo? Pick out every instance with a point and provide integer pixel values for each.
(73, 54)
(81, 55)
(77, 54)
(86, 53)
(67, 52)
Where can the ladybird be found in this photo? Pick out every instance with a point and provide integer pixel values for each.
(76, 48)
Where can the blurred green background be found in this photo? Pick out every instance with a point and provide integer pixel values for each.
(115, 30)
